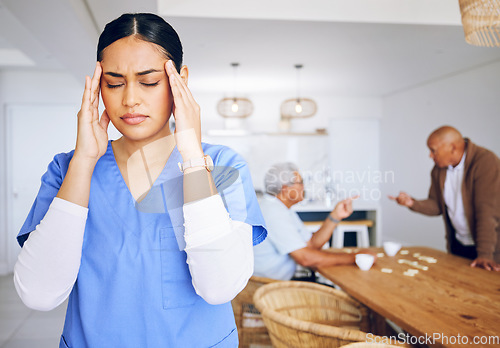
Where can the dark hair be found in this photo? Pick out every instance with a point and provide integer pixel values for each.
(145, 26)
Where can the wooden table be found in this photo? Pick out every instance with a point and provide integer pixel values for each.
(450, 299)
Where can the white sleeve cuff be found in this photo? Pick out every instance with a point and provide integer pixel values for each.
(69, 207)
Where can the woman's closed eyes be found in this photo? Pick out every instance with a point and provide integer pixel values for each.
(109, 85)
(150, 84)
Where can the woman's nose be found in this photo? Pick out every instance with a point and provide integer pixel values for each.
(131, 96)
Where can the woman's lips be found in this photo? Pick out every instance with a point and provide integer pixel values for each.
(133, 119)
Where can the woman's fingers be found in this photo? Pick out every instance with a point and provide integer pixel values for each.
(176, 93)
(92, 131)
(185, 109)
(94, 91)
(90, 98)
(104, 122)
(86, 93)
(177, 84)
(172, 72)
(181, 91)
(96, 79)
(174, 83)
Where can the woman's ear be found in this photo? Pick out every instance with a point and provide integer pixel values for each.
(184, 74)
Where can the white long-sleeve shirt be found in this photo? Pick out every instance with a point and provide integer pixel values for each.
(219, 253)
(454, 202)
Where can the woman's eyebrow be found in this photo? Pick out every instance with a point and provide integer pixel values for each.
(141, 73)
(113, 74)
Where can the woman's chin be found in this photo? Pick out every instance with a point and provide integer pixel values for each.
(139, 133)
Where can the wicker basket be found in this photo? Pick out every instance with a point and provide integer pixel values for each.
(251, 328)
(302, 314)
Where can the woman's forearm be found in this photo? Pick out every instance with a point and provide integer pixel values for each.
(198, 184)
(76, 184)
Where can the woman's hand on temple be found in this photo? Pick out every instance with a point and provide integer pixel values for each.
(186, 114)
(92, 136)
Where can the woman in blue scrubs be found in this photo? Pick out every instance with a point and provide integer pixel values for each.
(149, 235)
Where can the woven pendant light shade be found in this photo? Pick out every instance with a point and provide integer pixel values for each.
(481, 22)
(235, 107)
(298, 108)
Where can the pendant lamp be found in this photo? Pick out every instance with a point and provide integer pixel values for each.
(298, 107)
(235, 107)
(481, 22)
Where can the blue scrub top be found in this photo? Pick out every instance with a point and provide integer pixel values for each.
(134, 288)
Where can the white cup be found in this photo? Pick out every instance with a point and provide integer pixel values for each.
(364, 261)
(391, 248)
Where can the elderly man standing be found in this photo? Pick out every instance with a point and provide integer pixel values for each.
(465, 188)
(286, 243)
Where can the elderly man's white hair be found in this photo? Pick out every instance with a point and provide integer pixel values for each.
(278, 175)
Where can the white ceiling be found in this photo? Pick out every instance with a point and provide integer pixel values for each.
(348, 47)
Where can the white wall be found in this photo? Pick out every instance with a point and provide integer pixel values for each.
(468, 101)
(354, 159)
(266, 114)
(28, 87)
(3, 203)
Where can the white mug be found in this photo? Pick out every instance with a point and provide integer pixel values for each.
(391, 248)
(364, 261)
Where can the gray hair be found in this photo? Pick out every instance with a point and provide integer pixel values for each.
(278, 175)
